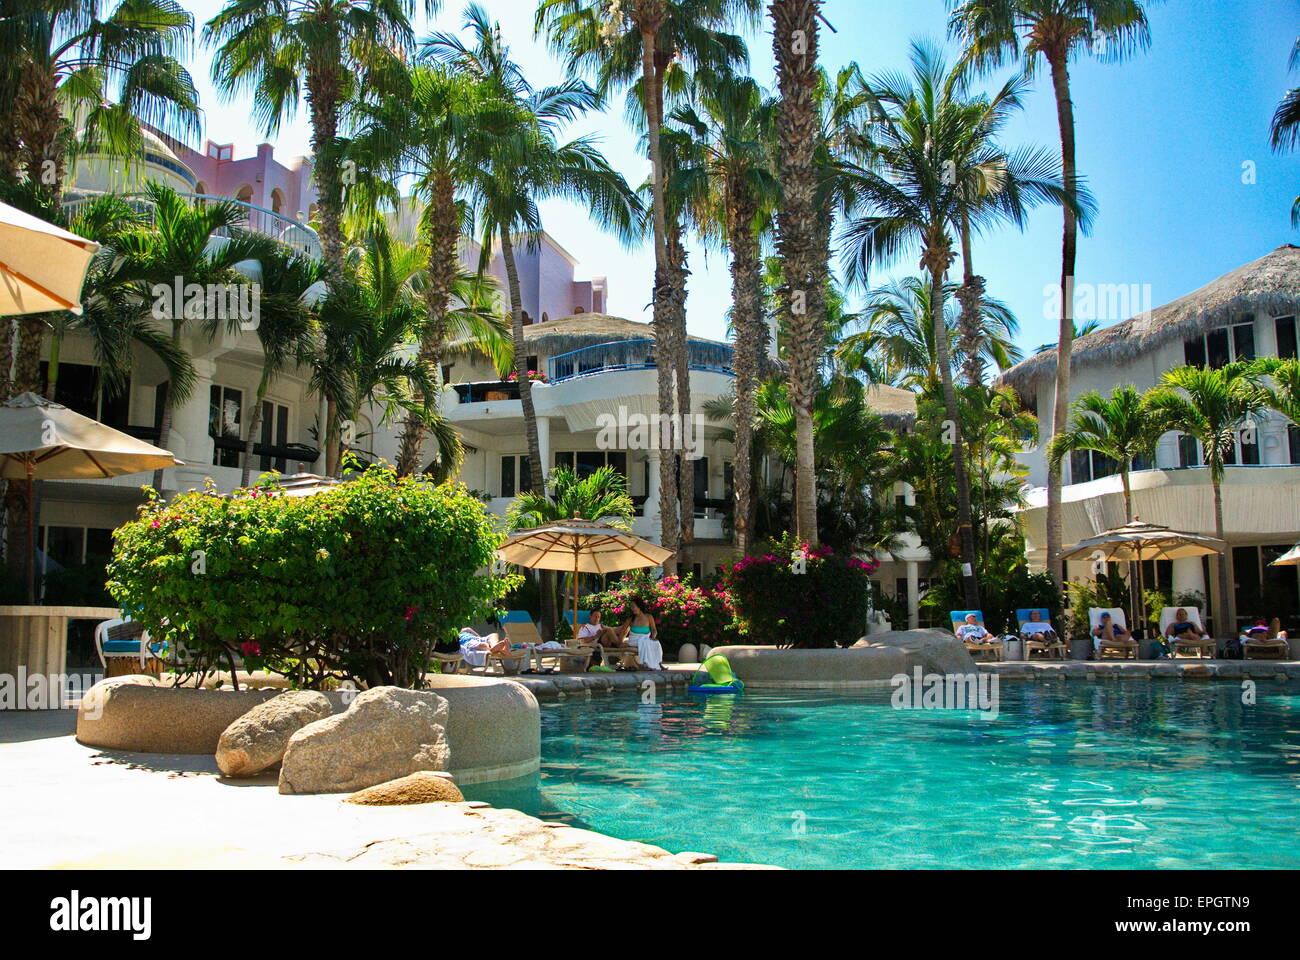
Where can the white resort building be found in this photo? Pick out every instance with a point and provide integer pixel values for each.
(1249, 312)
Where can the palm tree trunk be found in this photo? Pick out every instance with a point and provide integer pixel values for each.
(751, 332)
(935, 256)
(538, 470)
(1128, 496)
(52, 368)
(794, 45)
(970, 296)
(1065, 343)
(27, 363)
(8, 335)
(1222, 616)
(333, 444)
(323, 97)
(254, 426)
(441, 273)
(682, 372)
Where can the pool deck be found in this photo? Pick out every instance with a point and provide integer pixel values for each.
(69, 806)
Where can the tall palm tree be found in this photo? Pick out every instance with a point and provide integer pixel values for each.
(1285, 129)
(1122, 427)
(794, 46)
(1210, 405)
(527, 163)
(656, 48)
(430, 132)
(1000, 31)
(898, 329)
(174, 247)
(86, 78)
(732, 127)
(1284, 395)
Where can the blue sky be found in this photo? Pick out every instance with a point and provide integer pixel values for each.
(1163, 140)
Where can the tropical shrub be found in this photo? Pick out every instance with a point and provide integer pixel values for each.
(358, 582)
(824, 606)
(684, 611)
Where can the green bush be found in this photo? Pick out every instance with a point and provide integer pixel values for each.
(684, 612)
(825, 606)
(358, 582)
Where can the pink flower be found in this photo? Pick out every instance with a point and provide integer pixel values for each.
(250, 648)
(411, 612)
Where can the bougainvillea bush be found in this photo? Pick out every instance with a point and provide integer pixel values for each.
(684, 612)
(358, 582)
(824, 606)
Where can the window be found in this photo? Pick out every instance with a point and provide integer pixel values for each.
(515, 468)
(1249, 440)
(1293, 442)
(1286, 338)
(225, 409)
(1144, 462)
(728, 480)
(586, 462)
(275, 433)
(1088, 465)
(1189, 455)
(79, 389)
(1221, 346)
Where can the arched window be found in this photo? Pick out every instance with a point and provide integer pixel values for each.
(244, 194)
(277, 200)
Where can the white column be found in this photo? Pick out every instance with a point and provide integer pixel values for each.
(189, 437)
(913, 595)
(543, 446)
(651, 508)
(1189, 576)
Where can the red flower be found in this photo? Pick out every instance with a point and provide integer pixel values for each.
(250, 648)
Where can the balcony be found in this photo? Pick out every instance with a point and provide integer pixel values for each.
(634, 355)
(296, 235)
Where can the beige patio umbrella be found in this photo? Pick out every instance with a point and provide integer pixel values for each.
(41, 266)
(44, 440)
(1138, 541)
(580, 546)
(1289, 559)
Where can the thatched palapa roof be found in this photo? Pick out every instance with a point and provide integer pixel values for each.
(896, 406)
(1269, 286)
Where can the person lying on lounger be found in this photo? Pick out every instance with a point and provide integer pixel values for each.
(972, 631)
(1036, 628)
(1108, 630)
(475, 647)
(1183, 627)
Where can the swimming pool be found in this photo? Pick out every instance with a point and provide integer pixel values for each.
(1114, 774)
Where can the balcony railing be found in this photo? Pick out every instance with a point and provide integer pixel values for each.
(292, 233)
(634, 355)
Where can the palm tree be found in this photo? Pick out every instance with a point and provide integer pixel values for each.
(897, 339)
(1122, 427)
(1284, 395)
(794, 46)
(1285, 128)
(599, 496)
(527, 163)
(1210, 405)
(1000, 31)
(656, 48)
(289, 284)
(429, 132)
(735, 179)
(175, 247)
(70, 61)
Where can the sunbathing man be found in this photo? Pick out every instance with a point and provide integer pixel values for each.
(593, 631)
(1108, 630)
(1036, 628)
(475, 647)
(973, 631)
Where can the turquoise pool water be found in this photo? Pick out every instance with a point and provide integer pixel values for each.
(1100, 775)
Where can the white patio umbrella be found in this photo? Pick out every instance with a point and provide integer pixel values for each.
(44, 440)
(1138, 541)
(42, 266)
(580, 546)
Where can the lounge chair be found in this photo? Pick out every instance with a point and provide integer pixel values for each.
(1202, 648)
(1270, 647)
(127, 645)
(519, 628)
(1122, 649)
(991, 645)
(624, 656)
(1049, 648)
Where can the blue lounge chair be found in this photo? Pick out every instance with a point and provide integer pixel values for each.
(989, 646)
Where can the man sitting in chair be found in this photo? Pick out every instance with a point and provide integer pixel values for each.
(1108, 630)
(1036, 628)
(972, 631)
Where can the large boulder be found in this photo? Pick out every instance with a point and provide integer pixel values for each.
(386, 733)
(935, 651)
(425, 786)
(257, 740)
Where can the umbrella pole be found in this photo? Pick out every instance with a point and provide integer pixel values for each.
(1141, 599)
(31, 532)
(575, 594)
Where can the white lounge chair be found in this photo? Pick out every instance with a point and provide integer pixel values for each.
(1123, 649)
(1202, 648)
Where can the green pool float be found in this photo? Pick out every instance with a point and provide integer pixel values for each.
(720, 679)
